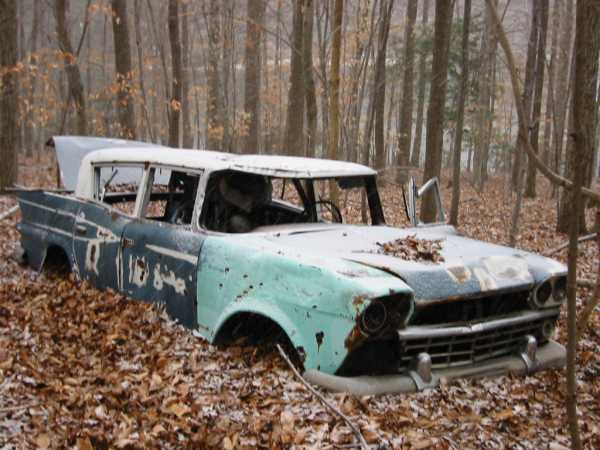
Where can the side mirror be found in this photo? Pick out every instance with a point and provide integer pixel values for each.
(411, 194)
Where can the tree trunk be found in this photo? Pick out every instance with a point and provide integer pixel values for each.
(530, 190)
(437, 102)
(587, 43)
(294, 126)
(334, 89)
(386, 7)
(30, 128)
(254, 23)
(416, 152)
(527, 92)
(462, 94)
(215, 127)
(175, 101)
(309, 80)
(562, 84)
(123, 68)
(406, 108)
(485, 113)
(140, 60)
(8, 93)
(186, 101)
(550, 93)
(71, 66)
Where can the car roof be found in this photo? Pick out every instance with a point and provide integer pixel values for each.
(270, 165)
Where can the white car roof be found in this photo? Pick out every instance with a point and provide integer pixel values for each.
(81, 153)
(280, 166)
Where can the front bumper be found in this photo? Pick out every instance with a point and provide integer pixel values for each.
(548, 356)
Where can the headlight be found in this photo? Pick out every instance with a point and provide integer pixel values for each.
(550, 293)
(386, 313)
(559, 290)
(373, 318)
(543, 292)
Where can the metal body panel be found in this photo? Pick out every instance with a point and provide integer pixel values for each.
(46, 220)
(160, 265)
(315, 300)
(97, 231)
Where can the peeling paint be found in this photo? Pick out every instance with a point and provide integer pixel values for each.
(460, 274)
(138, 271)
(168, 277)
(486, 281)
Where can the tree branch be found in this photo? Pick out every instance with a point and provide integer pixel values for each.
(313, 391)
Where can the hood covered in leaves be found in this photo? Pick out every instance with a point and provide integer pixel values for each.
(434, 261)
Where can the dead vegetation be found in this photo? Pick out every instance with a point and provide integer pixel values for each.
(81, 368)
(411, 248)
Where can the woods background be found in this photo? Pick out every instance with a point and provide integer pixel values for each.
(410, 87)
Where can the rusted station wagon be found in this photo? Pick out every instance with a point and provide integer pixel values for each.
(248, 244)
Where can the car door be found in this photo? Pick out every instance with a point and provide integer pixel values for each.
(160, 253)
(99, 224)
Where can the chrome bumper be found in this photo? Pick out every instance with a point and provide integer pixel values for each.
(531, 359)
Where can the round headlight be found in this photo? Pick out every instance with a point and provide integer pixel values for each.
(559, 290)
(543, 292)
(373, 317)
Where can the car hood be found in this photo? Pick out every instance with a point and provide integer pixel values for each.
(470, 267)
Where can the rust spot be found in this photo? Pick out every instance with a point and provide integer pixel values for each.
(355, 338)
(301, 353)
(319, 336)
(358, 301)
(460, 273)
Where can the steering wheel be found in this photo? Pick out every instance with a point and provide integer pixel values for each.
(336, 214)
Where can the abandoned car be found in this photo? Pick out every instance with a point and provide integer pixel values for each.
(232, 244)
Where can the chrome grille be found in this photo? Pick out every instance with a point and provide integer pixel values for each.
(456, 346)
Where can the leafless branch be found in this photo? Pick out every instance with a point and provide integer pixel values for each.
(313, 391)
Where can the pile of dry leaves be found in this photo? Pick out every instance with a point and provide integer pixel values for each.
(80, 368)
(411, 248)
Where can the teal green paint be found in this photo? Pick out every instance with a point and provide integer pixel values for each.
(304, 294)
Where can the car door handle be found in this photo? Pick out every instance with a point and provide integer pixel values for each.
(80, 229)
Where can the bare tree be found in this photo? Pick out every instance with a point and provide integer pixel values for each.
(186, 53)
(215, 123)
(550, 92)
(294, 125)
(530, 190)
(175, 102)
(462, 95)
(406, 108)
(380, 81)
(416, 152)
(309, 79)
(334, 94)
(71, 66)
(562, 82)
(8, 92)
(254, 22)
(437, 102)
(518, 172)
(123, 68)
(587, 43)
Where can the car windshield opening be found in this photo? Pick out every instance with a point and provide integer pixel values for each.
(238, 202)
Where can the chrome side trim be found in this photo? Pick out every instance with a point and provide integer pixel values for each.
(426, 332)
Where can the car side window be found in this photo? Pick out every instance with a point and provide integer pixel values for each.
(170, 196)
(118, 186)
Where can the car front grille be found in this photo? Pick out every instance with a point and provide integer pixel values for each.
(470, 344)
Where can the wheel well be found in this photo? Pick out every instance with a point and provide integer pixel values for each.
(56, 259)
(248, 328)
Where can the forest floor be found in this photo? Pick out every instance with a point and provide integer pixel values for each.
(81, 368)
